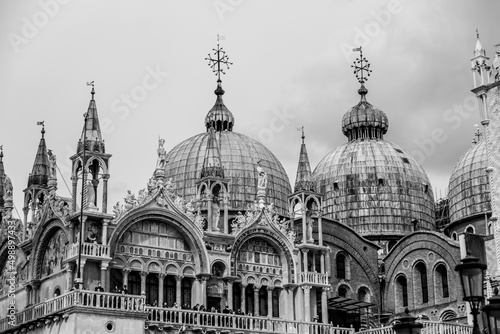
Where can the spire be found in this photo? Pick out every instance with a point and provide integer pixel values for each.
(91, 129)
(212, 163)
(479, 50)
(219, 117)
(303, 181)
(40, 172)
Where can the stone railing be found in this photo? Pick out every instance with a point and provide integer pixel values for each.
(168, 317)
(88, 249)
(437, 327)
(313, 278)
(430, 327)
(80, 298)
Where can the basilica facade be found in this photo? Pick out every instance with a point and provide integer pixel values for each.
(218, 228)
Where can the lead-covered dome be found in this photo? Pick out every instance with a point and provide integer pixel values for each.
(469, 192)
(239, 156)
(372, 185)
(376, 188)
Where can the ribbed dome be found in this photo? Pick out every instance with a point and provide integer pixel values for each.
(469, 192)
(364, 121)
(219, 117)
(239, 155)
(376, 188)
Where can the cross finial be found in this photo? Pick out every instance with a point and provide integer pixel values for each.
(477, 135)
(361, 65)
(220, 58)
(303, 136)
(93, 91)
(477, 33)
(1, 152)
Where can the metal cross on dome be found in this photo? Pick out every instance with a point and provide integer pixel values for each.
(361, 65)
(220, 57)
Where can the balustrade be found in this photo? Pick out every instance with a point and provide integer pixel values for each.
(313, 278)
(430, 327)
(88, 249)
(161, 316)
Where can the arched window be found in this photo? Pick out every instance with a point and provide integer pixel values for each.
(343, 291)
(469, 229)
(340, 261)
(421, 276)
(402, 290)
(454, 236)
(443, 280)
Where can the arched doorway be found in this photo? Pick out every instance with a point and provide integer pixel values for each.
(152, 289)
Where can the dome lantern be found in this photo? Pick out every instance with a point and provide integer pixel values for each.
(364, 120)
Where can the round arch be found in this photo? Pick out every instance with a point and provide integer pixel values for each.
(41, 239)
(275, 240)
(185, 227)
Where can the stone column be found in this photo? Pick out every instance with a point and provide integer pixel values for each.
(243, 296)
(230, 294)
(125, 272)
(178, 289)
(256, 303)
(320, 229)
(161, 278)
(104, 281)
(36, 292)
(104, 240)
(74, 182)
(290, 302)
(314, 262)
(270, 301)
(324, 304)
(307, 303)
(82, 268)
(304, 224)
(143, 282)
(203, 282)
(105, 178)
(322, 262)
(225, 201)
(69, 275)
(209, 213)
(25, 211)
(305, 255)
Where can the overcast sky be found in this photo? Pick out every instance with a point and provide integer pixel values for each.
(291, 69)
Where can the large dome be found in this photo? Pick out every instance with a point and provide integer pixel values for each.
(376, 188)
(239, 155)
(469, 192)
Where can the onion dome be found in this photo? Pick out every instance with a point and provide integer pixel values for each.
(219, 117)
(370, 184)
(364, 120)
(469, 192)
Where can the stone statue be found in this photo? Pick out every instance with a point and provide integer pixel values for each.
(262, 183)
(151, 185)
(117, 209)
(162, 155)
(496, 65)
(170, 184)
(7, 195)
(241, 220)
(52, 165)
(90, 194)
(130, 200)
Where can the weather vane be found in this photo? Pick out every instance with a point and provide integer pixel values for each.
(477, 136)
(302, 129)
(220, 58)
(361, 65)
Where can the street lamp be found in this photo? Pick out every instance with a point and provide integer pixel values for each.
(472, 277)
(407, 324)
(492, 311)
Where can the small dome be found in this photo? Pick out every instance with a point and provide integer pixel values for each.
(469, 192)
(364, 121)
(239, 155)
(376, 188)
(219, 117)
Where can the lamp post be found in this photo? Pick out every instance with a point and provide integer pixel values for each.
(407, 324)
(472, 277)
(492, 311)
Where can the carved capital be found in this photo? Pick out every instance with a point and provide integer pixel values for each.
(326, 289)
(126, 271)
(104, 265)
(270, 288)
(256, 288)
(144, 273)
(306, 288)
(161, 276)
(179, 277)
